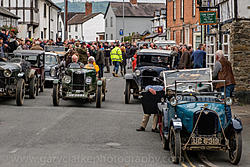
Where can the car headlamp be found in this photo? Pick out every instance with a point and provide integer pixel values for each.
(228, 101)
(7, 73)
(66, 79)
(137, 72)
(52, 72)
(173, 101)
(88, 80)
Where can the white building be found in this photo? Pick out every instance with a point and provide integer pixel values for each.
(7, 18)
(137, 18)
(87, 28)
(38, 18)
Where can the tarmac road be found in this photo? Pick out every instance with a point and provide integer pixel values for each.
(75, 135)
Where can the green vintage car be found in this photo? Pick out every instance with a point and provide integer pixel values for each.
(78, 82)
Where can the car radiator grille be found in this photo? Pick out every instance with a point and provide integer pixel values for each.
(78, 81)
(147, 78)
(208, 123)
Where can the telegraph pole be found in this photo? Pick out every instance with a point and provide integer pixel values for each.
(65, 19)
(123, 21)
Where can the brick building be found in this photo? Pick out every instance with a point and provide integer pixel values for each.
(183, 22)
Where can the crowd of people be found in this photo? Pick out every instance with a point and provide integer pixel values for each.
(121, 55)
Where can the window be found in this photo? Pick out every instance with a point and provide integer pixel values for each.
(182, 9)
(193, 7)
(36, 4)
(106, 22)
(226, 46)
(69, 36)
(45, 10)
(174, 9)
(76, 28)
(174, 35)
(187, 36)
(60, 26)
(111, 37)
(181, 35)
(69, 28)
(106, 36)
(44, 34)
(111, 21)
(168, 35)
(76, 37)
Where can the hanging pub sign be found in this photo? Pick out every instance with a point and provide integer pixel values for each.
(208, 17)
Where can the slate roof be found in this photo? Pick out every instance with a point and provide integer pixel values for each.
(52, 3)
(71, 14)
(5, 12)
(81, 18)
(138, 10)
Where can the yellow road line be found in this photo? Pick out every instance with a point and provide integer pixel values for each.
(183, 164)
(190, 163)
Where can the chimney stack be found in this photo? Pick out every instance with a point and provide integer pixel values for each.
(88, 8)
(133, 2)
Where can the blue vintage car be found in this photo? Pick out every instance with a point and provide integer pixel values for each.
(193, 116)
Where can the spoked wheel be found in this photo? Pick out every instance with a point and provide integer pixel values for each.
(20, 92)
(56, 96)
(175, 145)
(235, 143)
(99, 97)
(37, 86)
(127, 93)
(32, 88)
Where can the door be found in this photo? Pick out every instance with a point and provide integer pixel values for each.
(210, 49)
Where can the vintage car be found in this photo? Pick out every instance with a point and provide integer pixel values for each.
(193, 116)
(17, 79)
(150, 63)
(79, 83)
(37, 60)
(52, 67)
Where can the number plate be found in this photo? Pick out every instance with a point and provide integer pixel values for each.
(205, 141)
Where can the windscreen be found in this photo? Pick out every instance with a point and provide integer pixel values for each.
(153, 60)
(186, 75)
(50, 59)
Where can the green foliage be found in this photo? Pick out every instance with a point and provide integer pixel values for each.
(10, 29)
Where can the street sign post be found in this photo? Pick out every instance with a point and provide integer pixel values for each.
(208, 17)
(121, 32)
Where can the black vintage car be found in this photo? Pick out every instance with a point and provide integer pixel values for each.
(52, 67)
(36, 58)
(17, 79)
(150, 63)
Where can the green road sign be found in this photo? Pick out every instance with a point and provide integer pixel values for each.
(208, 17)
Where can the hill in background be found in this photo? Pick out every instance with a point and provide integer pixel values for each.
(80, 6)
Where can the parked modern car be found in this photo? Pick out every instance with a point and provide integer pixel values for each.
(193, 116)
(79, 83)
(150, 63)
(36, 58)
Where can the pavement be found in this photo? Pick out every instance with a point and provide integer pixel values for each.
(75, 135)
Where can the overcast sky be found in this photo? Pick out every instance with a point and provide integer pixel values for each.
(163, 1)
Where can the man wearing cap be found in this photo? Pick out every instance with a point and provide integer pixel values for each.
(116, 57)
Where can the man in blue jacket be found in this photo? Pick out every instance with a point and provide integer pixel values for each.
(198, 57)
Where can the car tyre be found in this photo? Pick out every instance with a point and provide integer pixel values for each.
(32, 88)
(235, 151)
(56, 96)
(99, 97)
(175, 145)
(20, 92)
(37, 86)
(127, 92)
